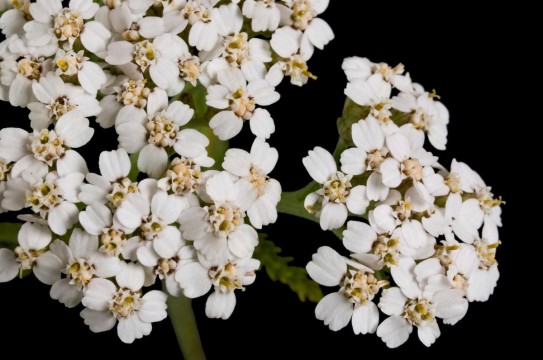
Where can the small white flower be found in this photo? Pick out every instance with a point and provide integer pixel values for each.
(423, 295)
(357, 68)
(14, 17)
(255, 167)
(97, 220)
(368, 155)
(56, 98)
(33, 240)
(113, 185)
(337, 194)
(151, 133)
(52, 198)
(426, 115)
(303, 16)
(37, 151)
(20, 75)
(53, 24)
(197, 279)
(375, 93)
(237, 49)
(218, 229)
(358, 287)
(286, 43)
(79, 262)
(90, 75)
(107, 303)
(239, 100)
(153, 214)
(408, 157)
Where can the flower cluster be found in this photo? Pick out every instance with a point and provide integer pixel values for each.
(430, 246)
(168, 77)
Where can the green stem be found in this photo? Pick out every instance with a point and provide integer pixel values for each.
(186, 330)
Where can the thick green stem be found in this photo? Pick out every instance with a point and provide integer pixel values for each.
(186, 330)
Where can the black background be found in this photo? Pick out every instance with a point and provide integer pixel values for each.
(460, 52)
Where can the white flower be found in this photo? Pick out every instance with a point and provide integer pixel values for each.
(90, 75)
(240, 100)
(357, 68)
(35, 152)
(473, 268)
(368, 155)
(107, 303)
(79, 262)
(56, 98)
(358, 287)
(14, 17)
(303, 16)
(423, 295)
(130, 92)
(113, 185)
(52, 24)
(197, 279)
(236, 49)
(255, 167)
(286, 43)
(160, 56)
(165, 263)
(426, 115)
(337, 194)
(97, 219)
(183, 178)
(52, 198)
(218, 229)
(471, 182)
(408, 157)
(33, 240)
(153, 214)
(375, 93)
(151, 132)
(200, 15)
(21, 75)
(131, 24)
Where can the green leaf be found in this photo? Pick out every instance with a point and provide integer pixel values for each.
(278, 269)
(8, 234)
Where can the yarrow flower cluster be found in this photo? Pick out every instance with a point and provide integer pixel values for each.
(430, 246)
(167, 77)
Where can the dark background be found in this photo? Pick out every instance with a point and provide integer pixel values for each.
(470, 64)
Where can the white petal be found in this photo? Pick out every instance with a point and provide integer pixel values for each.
(34, 236)
(98, 321)
(390, 172)
(333, 216)
(394, 331)
(327, 267)
(353, 161)
(392, 301)
(194, 279)
(114, 165)
(66, 293)
(450, 306)
(335, 310)
(154, 307)
(153, 160)
(428, 333)
(226, 125)
(62, 217)
(243, 241)
(404, 277)
(320, 164)
(365, 318)
(220, 305)
(74, 129)
(358, 202)
(98, 294)
(359, 237)
(262, 124)
(9, 268)
(132, 328)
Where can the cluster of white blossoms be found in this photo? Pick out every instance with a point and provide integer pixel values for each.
(145, 69)
(430, 246)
